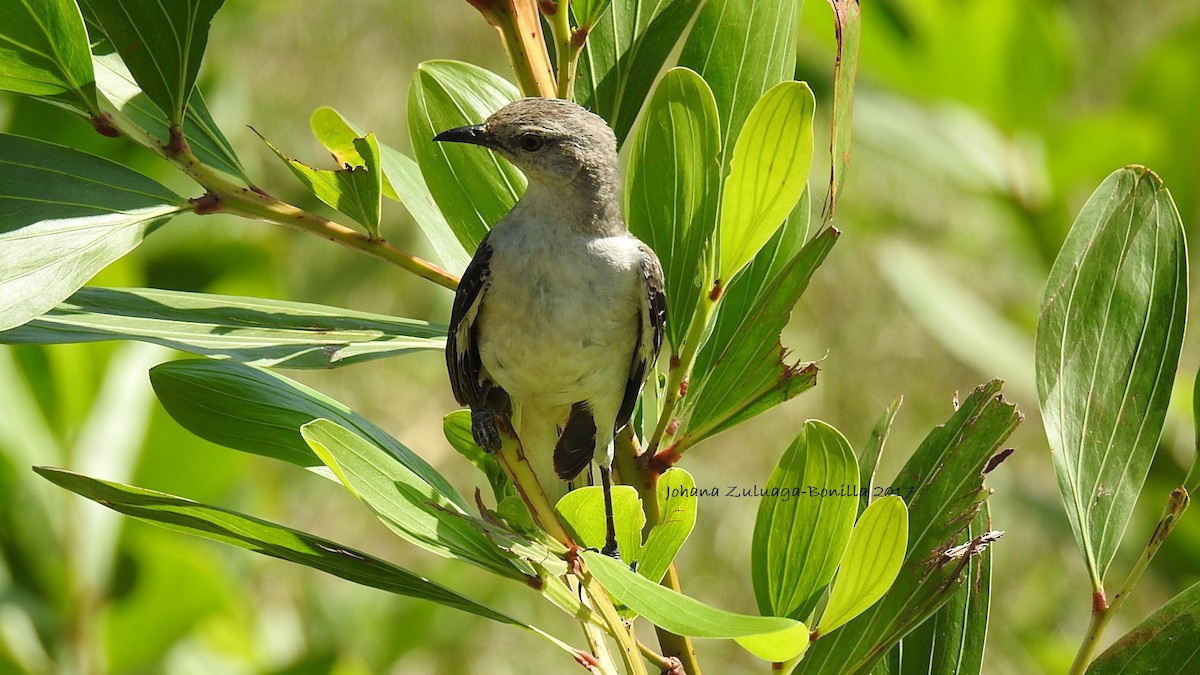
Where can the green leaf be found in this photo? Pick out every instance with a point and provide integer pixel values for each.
(624, 53)
(44, 52)
(203, 135)
(742, 49)
(1192, 481)
(1165, 643)
(582, 510)
(250, 330)
(64, 216)
(868, 461)
(1108, 342)
(770, 638)
(457, 428)
(676, 517)
(945, 475)
(587, 12)
(767, 173)
(672, 187)
(870, 563)
(404, 501)
(951, 642)
(848, 25)
(804, 521)
(162, 43)
(473, 187)
(356, 191)
(402, 181)
(260, 412)
(746, 373)
(260, 536)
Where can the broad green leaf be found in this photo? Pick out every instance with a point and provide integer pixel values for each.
(582, 510)
(868, 461)
(767, 637)
(64, 216)
(250, 330)
(1165, 643)
(767, 173)
(742, 48)
(404, 501)
(260, 536)
(804, 521)
(44, 52)
(848, 25)
(402, 181)
(1108, 342)
(870, 563)
(624, 53)
(203, 135)
(747, 373)
(951, 642)
(356, 191)
(161, 43)
(672, 187)
(258, 411)
(676, 518)
(946, 477)
(473, 186)
(457, 429)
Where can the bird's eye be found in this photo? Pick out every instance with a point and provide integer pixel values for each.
(531, 142)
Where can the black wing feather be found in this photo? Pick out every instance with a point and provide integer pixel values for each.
(653, 320)
(462, 359)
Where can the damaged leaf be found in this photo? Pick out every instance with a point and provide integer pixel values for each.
(847, 17)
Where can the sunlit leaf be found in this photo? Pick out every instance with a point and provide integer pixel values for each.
(404, 501)
(767, 637)
(672, 187)
(44, 52)
(868, 461)
(1108, 343)
(259, 411)
(64, 216)
(1164, 643)
(870, 563)
(624, 52)
(768, 172)
(456, 427)
(799, 536)
(473, 187)
(582, 510)
(402, 181)
(676, 518)
(250, 330)
(161, 43)
(848, 25)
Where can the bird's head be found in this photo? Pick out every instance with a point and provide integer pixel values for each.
(552, 141)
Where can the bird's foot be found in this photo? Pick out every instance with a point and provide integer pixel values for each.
(485, 428)
(610, 549)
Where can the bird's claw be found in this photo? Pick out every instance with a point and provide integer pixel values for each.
(485, 430)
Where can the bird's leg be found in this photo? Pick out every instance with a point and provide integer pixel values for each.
(485, 427)
(610, 532)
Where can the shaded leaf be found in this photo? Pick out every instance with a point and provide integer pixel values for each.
(848, 25)
(1108, 342)
(402, 181)
(799, 536)
(250, 330)
(44, 52)
(356, 191)
(404, 501)
(946, 477)
(260, 412)
(870, 563)
(473, 187)
(768, 171)
(64, 216)
(677, 507)
(624, 52)
(587, 12)
(672, 187)
(771, 638)
(161, 43)
(1164, 643)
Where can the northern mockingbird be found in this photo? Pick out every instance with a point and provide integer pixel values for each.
(561, 312)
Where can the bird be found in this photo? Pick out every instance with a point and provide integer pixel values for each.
(559, 317)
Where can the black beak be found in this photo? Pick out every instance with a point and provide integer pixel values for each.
(473, 134)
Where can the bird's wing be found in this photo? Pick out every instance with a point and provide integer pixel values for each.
(652, 321)
(462, 353)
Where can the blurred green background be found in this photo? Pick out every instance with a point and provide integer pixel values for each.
(980, 128)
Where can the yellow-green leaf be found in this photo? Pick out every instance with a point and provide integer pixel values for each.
(870, 564)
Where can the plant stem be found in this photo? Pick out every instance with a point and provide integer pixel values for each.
(566, 50)
(681, 367)
(520, 28)
(1102, 612)
(630, 654)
